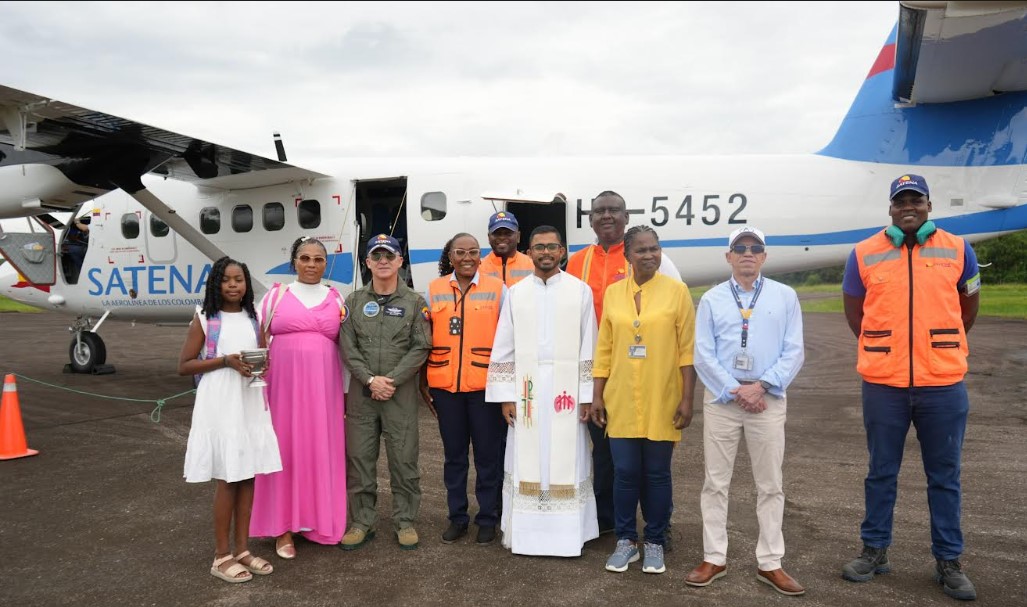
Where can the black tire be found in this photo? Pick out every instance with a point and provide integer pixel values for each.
(90, 353)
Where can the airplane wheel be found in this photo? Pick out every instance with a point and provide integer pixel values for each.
(88, 353)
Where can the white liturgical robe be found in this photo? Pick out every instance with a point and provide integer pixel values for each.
(549, 508)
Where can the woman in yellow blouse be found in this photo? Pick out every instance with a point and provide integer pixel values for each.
(643, 381)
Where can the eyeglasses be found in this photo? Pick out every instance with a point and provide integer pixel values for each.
(308, 259)
(755, 249)
(552, 247)
(379, 254)
(466, 253)
(599, 212)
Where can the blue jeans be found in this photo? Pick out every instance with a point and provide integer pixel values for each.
(939, 415)
(638, 462)
(465, 419)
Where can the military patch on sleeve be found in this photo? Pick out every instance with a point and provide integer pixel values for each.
(425, 314)
(343, 314)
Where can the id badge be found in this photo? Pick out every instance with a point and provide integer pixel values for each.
(743, 362)
(636, 351)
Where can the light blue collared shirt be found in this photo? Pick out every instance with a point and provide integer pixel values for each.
(774, 343)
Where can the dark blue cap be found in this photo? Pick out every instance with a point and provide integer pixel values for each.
(915, 183)
(383, 241)
(503, 219)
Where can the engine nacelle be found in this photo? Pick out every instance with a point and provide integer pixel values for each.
(31, 189)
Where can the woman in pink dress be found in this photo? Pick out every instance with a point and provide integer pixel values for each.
(305, 396)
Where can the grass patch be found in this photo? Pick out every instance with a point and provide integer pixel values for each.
(1001, 301)
(9, 305)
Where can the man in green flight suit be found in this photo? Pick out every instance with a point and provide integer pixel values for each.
(385, 338)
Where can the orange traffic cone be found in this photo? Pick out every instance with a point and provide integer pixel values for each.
(12, 433)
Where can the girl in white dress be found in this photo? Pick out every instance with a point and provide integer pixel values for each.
(231, 438)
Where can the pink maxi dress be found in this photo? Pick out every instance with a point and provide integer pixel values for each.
(307, 403)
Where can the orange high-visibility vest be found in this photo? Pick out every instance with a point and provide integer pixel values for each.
(517, 267)
(599, 269)
(912, 332)
(460, 363)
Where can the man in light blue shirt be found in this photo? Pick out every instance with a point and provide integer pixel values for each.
(748, 349)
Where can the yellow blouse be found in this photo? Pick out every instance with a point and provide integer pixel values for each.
(642, 394)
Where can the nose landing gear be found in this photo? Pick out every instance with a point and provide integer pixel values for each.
(87, 352)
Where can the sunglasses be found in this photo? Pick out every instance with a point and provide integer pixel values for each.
(755, 249)
(552, 247)
(308, 259)
(378, 255)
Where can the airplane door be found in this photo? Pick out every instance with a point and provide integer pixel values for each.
(32, 253)
(161, 242)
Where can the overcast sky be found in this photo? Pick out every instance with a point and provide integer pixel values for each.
(461, 79)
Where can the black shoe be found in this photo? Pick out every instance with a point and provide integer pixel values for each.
(486, 535)
(953, 581)
(871, 562)
(454, 532)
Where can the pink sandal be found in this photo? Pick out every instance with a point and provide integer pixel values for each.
(257, 565)
(230, 574)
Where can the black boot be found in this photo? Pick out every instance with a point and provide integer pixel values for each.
(953, 581)
(454, 532)
(871, 562)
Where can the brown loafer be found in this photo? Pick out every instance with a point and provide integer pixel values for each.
(780, 581)
(705, 573)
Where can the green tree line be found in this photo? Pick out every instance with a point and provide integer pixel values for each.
(1003, 260)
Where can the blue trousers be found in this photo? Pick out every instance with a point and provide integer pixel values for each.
(939, 415)
(465, 419)
(638, 463)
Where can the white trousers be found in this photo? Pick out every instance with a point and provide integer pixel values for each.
(723, 427)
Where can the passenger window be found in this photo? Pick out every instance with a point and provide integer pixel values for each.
(210, 220)
(433, 206)
(242, 218)
(309, 214)
(157, 227)
(130, 226)
(274, 216)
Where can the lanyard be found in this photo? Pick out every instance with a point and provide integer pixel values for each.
(746, 313)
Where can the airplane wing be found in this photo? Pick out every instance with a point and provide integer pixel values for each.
(955, 51)
(75, 154)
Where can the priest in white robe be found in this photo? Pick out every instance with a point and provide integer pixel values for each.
(541, 370)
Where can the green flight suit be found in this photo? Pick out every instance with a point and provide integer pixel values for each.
(386, 336)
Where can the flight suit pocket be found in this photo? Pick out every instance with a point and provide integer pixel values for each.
(946, 355)
(875, 359)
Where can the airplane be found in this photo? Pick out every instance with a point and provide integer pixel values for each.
(946, 98)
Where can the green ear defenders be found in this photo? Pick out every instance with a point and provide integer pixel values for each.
(897, 236)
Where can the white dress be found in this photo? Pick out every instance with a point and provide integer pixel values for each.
(231, 437)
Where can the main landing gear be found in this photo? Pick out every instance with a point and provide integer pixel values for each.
(87, 352)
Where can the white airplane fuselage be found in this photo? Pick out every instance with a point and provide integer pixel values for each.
(813, 209)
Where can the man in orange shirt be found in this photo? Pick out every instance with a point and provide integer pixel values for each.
(600, 265)
(505, 262)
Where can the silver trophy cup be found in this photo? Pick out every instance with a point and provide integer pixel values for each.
(257, 359)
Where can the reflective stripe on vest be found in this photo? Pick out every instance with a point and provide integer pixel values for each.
(912, 331)
(459, 363)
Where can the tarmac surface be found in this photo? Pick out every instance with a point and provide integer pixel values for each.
(102, 516)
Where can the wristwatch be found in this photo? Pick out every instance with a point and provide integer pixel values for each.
(370, 380)
(766, 385)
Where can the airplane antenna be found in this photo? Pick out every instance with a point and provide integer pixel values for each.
(279, 147)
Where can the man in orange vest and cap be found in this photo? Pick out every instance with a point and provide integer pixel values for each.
(911, 294)
(505, 262)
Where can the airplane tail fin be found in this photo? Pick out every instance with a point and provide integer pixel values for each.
(948, 89)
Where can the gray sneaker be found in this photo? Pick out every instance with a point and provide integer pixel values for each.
(953, 581)
(653, 562)
(871, 562)
(626, 552)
